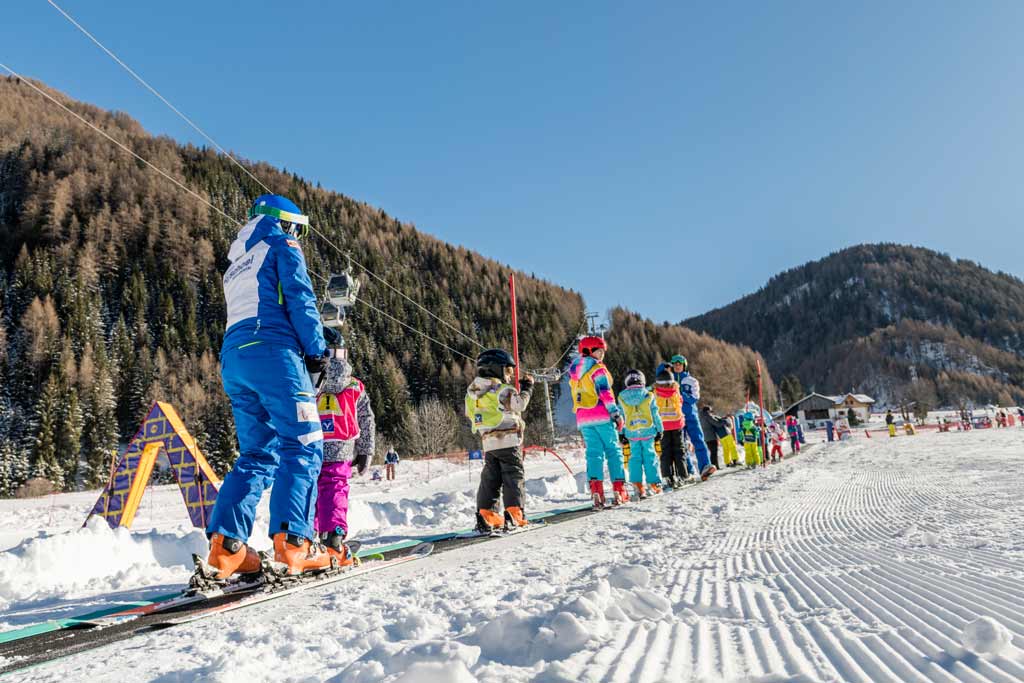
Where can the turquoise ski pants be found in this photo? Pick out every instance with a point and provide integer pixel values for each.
(643, 460)
(603, 442)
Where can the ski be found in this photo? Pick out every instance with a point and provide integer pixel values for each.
(291, 585)
(501, 533)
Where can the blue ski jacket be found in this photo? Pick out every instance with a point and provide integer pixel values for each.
(268, 293)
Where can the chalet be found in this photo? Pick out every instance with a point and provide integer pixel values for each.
(815, 409)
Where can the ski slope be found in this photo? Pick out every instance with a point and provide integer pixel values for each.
(872, 560)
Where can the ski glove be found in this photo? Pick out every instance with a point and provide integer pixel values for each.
(657, 438)
(623, 440)
(332, 336)
(316, 364)
(619, 422)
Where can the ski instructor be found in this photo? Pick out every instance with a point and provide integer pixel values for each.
(689, 388)
(272, 341)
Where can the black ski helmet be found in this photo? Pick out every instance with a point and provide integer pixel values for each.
(492, 363)
(634, 378)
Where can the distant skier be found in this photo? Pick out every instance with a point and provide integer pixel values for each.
(495, 411)
(750, 433)
(273, 340)
(641, 431)
(598, 419)
(347, 421)
(890, 420)
(673, 442)
(689, 387)
(391, 460)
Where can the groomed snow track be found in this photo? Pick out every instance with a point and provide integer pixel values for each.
(846, 577)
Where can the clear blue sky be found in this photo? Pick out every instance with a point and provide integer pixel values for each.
(669, 157)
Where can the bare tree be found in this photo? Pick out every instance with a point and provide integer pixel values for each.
(431, 428)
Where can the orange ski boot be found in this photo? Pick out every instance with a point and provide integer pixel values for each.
(334, 543)
(514, 517)
(230, 556)
(488, 521)
(640, 493)
(655, 489)
(300, 554)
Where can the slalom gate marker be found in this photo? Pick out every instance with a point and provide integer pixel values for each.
(161, 430)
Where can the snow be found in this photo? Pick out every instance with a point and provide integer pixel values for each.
(986, 635)
(868, 560)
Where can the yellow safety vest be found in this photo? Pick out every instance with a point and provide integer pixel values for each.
(584, 393)
(485, 412)
(638, 417)
(670, 407)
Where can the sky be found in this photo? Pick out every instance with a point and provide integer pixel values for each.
(668, 157)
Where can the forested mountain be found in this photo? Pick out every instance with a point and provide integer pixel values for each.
(111, 292)
(897, 322)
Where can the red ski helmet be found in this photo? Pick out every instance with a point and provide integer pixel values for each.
(591, 343)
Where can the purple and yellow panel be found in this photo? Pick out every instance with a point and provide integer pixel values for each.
(161, 430)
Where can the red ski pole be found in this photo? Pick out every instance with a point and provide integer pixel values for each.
(764, 422)
(515, 326)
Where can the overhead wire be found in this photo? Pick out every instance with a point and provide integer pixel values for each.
(223, 151)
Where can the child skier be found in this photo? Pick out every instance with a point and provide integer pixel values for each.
(750, 434)
(347, 421)
(776, 438)
(495, 410)
(794, 434)
(598, 419)
(673, 442)
(641, 432)
(728, 441)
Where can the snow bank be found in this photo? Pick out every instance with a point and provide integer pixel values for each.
(985, 635)
(94, 558)
(435, 661)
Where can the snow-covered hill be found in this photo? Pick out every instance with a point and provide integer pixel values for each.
(872, 560)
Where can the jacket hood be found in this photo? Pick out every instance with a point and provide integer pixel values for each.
(634, 396)
(339, 375)
(481, 385)
(253, 231)
(580, 366)
(667, 388)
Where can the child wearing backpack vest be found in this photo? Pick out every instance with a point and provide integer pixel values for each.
(673, 442)
(750, 433)
(641, 430)
(347, 422)
(495, 411)
(598, 418)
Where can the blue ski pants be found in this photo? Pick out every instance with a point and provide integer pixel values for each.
(643, 461)
(280, 441)
(603, 443)
(696, 434)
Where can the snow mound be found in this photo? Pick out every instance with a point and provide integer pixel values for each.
(930, 538)
(49, 566)
(440, 661)
(985, 635)
(559, 486)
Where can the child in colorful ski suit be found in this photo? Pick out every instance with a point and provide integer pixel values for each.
(350, 431)
(674, 448)
(794, 434)
(776, 439)
(641, 429)
(598, 418)
(495, 411)
(750, 433)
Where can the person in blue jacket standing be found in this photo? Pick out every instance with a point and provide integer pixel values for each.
(689, 388)
(273, 341)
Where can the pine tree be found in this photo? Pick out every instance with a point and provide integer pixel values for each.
(45, 462)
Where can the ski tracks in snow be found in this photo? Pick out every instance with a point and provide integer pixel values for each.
(856, 562)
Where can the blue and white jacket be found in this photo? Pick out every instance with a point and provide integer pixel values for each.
(268, 293)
